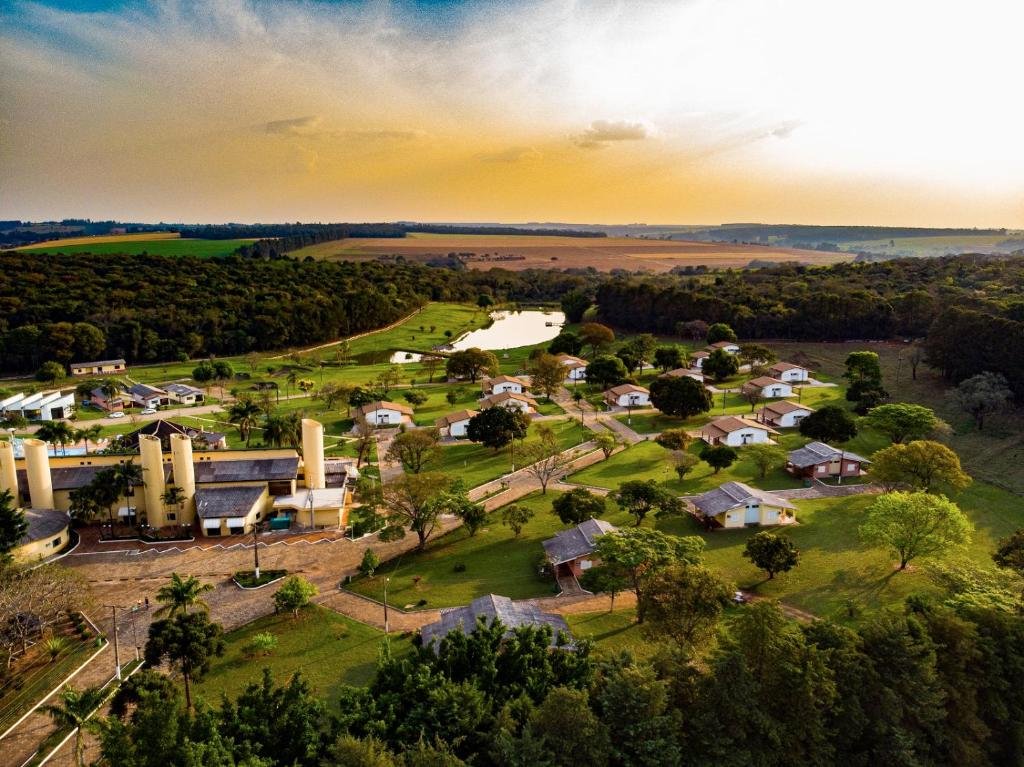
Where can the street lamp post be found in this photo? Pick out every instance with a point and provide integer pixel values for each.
(117, 656)
(386, 624)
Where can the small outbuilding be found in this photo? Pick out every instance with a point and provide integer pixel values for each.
(455, 424)
(735, 431)
(790, 373)
(384, 413)
(575, 367)
(767, 387)
(48, 534)
(783, 414)
(816, 460)
(524, 403)
(735, 504)
(502, 384)
(628, 395)
(728, 346)
(98, 367)
(571, 552)
(230, 510)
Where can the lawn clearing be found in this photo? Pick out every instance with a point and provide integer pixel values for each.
(328, 649)
(612, 633)
(476, 464)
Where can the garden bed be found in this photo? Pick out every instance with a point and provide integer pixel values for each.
(246, 579)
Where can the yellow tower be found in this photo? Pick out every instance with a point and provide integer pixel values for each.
(153, 477)
(184, 475)
(313, 453)
(37, 465)
(8, 473)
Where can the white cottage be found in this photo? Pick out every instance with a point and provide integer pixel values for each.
(521, 402)
(736, 432)
(575, 367)
(383, 413)
(729, 346)
(628, 395)
(784, 414)
(769, 388)
(503, 384)
(734, 504)
(790, 373)
(455, 424)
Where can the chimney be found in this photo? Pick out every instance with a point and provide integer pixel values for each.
(184, 474)
(153, 477)
(313, 453)
(37, 464)
(8, 473)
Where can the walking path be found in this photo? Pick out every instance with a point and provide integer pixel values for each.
(393, 325)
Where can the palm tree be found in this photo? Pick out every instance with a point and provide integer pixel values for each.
(104, 490)
(291, 430)
(291, 379)
(128, 476)
(89, 434)
(73, 711)
(244, 414)
(56, 433)
(181, 594)
(274, 431)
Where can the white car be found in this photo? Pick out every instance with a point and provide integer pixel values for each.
(116, 414)
(148, 411)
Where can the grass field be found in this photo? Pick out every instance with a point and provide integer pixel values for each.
(328, 649)
(133, 245)
(603, 253)
(476, 464)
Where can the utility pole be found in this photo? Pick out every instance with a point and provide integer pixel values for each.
(135, 634)
(386, 624)
(256, 550)
(117, 657)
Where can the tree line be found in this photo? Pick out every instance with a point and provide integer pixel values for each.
(156, 308)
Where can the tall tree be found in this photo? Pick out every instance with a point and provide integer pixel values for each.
(683, 603)
(720, 365)
(771, 552)
(547, 374)
(181, 594)
(411, 501)
(606, 371)
(637, 553)
(543, 457)
(497, 427)
(902, 422)
(830, 423)
(578, 505)
(72, 711)
(12, 526)
(920, 465)
(244, 414)
(982, 395)
(640, 497)
(719, 331)
(915, 525)
(472, 363)
(682, 397)
(414, 449)
(765, 457)
(188, 642)
(596, 336)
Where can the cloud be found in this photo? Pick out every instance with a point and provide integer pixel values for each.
(602, 132)
(785, 130)
(382, 135)
(295, 126)
(511, 155)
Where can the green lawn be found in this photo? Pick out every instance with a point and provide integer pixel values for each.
(612, 633)
(648, 460)
(476, 464)
(496, 562)
(328, 649)
(135, 247)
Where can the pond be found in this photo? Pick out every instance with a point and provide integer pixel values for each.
(510, 330)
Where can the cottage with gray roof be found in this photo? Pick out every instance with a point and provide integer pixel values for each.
(490, 608)
(571, 552)
(817, 460)
(735, 504)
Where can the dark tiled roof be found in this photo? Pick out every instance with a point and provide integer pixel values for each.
(97, 363)
(145, 390)
(814, 453)
(43, 523)
(511, 614)
(247, 470)
(72, 477)
(734, 494)
(576, 542)
(215, 502)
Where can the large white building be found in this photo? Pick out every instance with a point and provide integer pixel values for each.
(41, 406)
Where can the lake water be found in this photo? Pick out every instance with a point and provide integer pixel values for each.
(514, 329)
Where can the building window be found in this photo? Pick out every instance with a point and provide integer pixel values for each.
(171, 516)
(851, 467)
(55, 543)
(822, 469)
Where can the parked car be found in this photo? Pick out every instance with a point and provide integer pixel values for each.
(148, 411)
(739, 598)
(116, 414)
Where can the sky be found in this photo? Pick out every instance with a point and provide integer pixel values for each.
(688, 112)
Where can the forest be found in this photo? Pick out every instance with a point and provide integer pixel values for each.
(935, 684)
(154, 308)
(967, 308)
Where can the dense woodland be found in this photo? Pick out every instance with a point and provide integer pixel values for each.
(969, 309)
(154, 308)
(934, 685)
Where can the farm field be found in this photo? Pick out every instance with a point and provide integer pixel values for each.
(157, 244)
(602, 253)
(940, 246)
